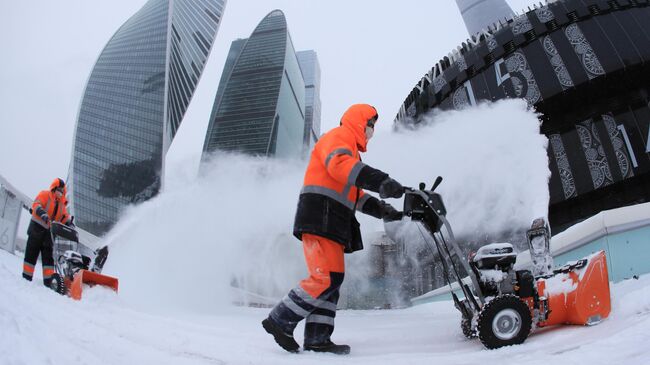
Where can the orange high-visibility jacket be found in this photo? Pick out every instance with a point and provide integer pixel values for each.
(47, 201)
(333, 182)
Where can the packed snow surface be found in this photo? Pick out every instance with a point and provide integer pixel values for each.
(37, 326)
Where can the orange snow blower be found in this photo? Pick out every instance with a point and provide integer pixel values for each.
(501, 305)
(72, 270)
(577, 293)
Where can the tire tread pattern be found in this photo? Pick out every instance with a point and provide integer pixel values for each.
(491, 309)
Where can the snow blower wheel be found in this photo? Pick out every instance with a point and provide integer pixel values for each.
(466, 327)
(504, 321)
(57, 284)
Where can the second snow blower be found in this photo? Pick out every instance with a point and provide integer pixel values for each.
(72, 268)
(501, 305)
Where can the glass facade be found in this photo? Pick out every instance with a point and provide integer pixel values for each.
(308, 61)
(133, 104)
(235, 49)
(260, 104)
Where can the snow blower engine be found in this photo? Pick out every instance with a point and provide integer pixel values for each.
(501, 305)
(72, 267)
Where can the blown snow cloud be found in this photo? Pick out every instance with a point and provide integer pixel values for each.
(232, 225)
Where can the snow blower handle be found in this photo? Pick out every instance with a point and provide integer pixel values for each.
(436, 183)
(58, 229)
(423, 186)
(408, 189)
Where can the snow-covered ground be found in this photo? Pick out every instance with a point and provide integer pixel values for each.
(38, 326)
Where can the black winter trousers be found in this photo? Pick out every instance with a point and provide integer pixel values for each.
(39, 241)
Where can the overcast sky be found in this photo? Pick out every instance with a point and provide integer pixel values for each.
(371, 51)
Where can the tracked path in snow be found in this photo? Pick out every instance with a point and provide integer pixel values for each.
(38, 326)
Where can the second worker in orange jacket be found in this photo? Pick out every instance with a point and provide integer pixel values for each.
(49, 206)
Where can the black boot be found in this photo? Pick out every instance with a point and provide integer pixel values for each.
(330, 347)
(285, 340)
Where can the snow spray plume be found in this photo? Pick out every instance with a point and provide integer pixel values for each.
(186, 248)
(494, 163)
(492, 158)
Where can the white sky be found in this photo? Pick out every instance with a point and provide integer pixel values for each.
(371, 51)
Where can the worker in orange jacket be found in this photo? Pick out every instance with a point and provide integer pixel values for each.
(326, 224)
(49, 206)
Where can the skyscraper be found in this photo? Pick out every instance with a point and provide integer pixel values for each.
(308, 61)
(233, 54)
(260, 105)
(481, 14)
(133, 104)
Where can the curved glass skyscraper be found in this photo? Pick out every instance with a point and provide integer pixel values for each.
(310, 67)
(133, 105)
(260, 104)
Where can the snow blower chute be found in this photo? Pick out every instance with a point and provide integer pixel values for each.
(501, 305)
(72, 270)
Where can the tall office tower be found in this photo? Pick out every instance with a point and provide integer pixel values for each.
(308, 61)
(260, 106)
(235, 49)
(480, 14)
(134, 103)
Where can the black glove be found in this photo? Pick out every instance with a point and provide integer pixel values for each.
(45, 218)
(390, 188)
(390, 214)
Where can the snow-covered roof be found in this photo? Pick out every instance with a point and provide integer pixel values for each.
(604, 223)
(24, 199)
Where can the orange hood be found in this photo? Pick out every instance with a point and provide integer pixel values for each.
(58, 183)
(355, 119)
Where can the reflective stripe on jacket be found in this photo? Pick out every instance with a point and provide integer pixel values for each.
(331, 186)
(46, 201)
